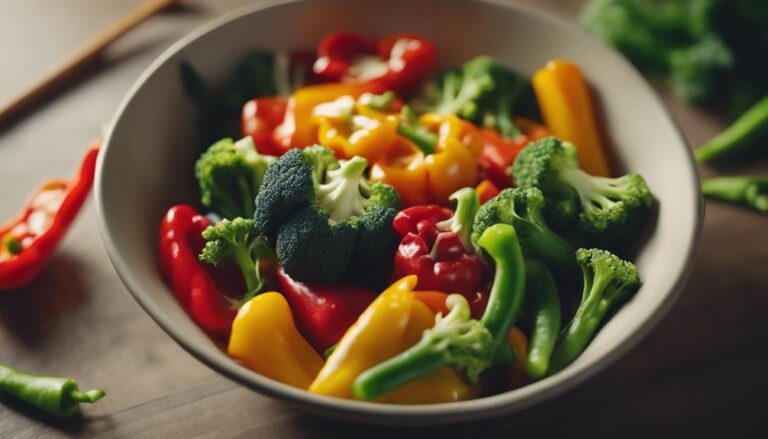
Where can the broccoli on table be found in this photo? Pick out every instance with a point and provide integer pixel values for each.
(236, 241)
(707, 48)
(521, 208)
(230, 175)
(608, 281)
(482, 91)
(605, 209)
(325, 220)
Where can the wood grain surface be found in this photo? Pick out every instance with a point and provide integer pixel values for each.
(701, 371)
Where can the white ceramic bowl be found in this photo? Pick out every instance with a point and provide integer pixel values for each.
(146, 166)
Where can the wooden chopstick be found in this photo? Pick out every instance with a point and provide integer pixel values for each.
(85, 55)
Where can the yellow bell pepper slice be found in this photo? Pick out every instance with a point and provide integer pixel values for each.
(299, 128)
(357, 129)
(442, 385)
(265, 339)
(374, 337)
(454, 164)
(566, 106)
(391, 324)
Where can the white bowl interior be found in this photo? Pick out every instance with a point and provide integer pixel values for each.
(146, 166)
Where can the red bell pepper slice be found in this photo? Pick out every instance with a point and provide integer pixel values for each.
(438, 257)
(194, 287)
(323, 313)
(28, 241)
(259, 119)
(499, 152)
(498, 155)
(397, 62)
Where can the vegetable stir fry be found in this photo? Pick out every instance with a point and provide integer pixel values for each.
(390, 231)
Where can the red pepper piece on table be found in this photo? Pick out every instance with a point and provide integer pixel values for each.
(397, 62)
(437, 255)
(27, 241)
(180, 243)
(323, 313)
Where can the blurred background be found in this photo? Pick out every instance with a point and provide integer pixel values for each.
(702, 370)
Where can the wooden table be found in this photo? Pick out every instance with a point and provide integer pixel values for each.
(703, 369)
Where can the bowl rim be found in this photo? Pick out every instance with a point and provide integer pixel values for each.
(494, 405)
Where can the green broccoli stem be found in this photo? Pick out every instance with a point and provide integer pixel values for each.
(746, 190)
(242, 257)
(501, 118)
(247, 196)
(467, 205)
(344, 193)
(596, 302)
(544, 313)
(424, 139)
(742, 138)
(399, 370)
(501, 243)
(226, 205)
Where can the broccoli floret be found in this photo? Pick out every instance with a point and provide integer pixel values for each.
(467, 204)
(458, 91)
(321, 160)
(482, 91)
(696, 70)
(456, 341)
(309, 247)
(309, 200)
(288, 184)
(230, 175)
(235, 241)
(606, 209)
(608, 282)
(521, 208)
(371, 261)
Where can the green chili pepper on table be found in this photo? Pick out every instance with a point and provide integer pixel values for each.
(457, 340)
(543, 306)
(745, 138)
(747, 190)
(58, 396)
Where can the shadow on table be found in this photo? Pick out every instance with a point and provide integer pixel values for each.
(31, 313)
(74, 424)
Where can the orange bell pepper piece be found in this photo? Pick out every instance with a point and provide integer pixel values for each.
(566, 106)
(431, 177)
(486, 190)
(518, 377)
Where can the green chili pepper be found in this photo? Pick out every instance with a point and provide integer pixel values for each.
(501, 243)
(457, 340)
(747, 190)
(543, 306)
(57, 396)
(409, 128)
(746, 137)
